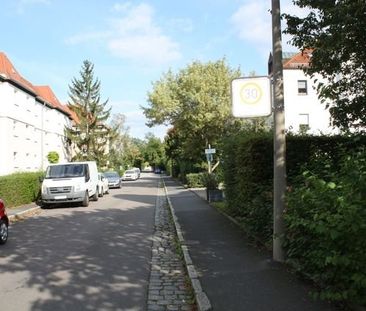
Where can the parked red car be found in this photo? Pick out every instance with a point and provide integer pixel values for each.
(4, 223)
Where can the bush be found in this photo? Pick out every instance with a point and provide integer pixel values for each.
(195, 180)
(326, 229)
(20, 188)
(210, 181)
(53, 157)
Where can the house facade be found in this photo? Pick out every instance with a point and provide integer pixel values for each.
(304, 113)
(32, 122)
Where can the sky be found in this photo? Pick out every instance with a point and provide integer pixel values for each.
(133, 43)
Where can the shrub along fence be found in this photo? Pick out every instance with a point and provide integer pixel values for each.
(325, 215)
(195, 180)
(19, 188)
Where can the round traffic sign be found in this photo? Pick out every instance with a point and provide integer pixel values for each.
(250, 93)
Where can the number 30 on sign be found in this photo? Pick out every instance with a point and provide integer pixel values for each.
(251, 93)
(251, 97)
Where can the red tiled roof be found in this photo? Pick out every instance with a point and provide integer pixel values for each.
(299, 60)
(9, 72)
(46, 94)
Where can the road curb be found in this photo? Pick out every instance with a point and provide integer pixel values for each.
(22, 214)
(202, 300)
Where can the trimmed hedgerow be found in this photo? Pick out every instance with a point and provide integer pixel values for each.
(19, 188)
(325, 215)
(248, 175)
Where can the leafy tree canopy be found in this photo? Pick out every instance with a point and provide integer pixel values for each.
(335, 29)
(196, 102)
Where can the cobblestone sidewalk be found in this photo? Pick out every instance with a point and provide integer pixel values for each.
(168, 288)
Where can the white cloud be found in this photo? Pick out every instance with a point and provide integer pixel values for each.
(137, 37)
(252, 22)
(134, 36)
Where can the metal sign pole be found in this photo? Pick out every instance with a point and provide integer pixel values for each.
(279, 138)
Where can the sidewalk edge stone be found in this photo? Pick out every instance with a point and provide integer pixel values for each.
(203, 302)
(23, 213)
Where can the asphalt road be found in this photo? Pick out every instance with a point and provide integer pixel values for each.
(77, 258)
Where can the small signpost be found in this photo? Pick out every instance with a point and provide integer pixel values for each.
(209, 155)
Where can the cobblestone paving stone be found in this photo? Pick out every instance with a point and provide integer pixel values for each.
(167, 286)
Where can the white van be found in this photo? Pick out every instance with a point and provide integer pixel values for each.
(70, 182)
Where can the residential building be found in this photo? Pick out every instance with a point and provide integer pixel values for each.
(303, 110)
(32, 122)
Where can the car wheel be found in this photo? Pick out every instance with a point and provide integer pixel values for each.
(96, 195)
(101, 192)
(3, 231)
(45, 205)
(86, 199)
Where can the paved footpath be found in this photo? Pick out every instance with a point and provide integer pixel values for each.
(168, 289)
(234, 275)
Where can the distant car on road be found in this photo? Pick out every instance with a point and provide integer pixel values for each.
(4, 223)
(130, 175)
(157, 170)
(114, 180)
(102, 184)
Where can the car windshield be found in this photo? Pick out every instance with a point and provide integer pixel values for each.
(130, 172)
(65, 171)
(111, 175)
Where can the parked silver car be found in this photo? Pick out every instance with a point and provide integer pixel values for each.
(114, 180)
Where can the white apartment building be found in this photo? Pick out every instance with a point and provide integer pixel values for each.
(303, 110)
(32, 122)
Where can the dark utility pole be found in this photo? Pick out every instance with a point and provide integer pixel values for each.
(279, 139)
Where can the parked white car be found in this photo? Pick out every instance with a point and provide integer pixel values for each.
(130, 175)
(70, 182)
(103, 184)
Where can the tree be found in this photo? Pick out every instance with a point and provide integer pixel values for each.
(89, 133)
(334, 29)
(196, 102)
(119, 145)
(153, 151)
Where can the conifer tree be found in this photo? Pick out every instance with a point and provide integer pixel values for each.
(89, 133)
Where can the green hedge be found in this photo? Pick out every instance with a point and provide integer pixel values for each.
(247, 166)
(322, 205)
(19, 188)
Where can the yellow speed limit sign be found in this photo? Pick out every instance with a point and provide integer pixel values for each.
(251, 97)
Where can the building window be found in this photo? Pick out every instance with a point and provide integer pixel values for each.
(302, 87)
(304, 122)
